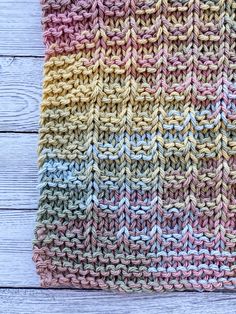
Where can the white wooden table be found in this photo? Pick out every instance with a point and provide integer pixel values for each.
(21, 61)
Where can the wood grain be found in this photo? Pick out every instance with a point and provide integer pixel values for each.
(20, 28)
(18, 171)
(20, 93)
(15, 301)
(16, 235)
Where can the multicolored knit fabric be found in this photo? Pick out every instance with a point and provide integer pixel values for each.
(137, 149)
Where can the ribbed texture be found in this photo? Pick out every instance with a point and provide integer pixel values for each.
(137, 149)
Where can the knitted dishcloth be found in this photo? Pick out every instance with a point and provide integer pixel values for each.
(137, 149)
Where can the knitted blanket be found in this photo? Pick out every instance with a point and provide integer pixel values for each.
(137, 145)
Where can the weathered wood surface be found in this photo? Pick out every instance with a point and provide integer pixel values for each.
(20, 28)
(18, 171)
(16, 233)
(15, 301)
(20, 93)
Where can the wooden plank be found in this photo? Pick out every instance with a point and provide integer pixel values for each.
(18, 171)
(14, 301)
(20, 28)
(16, 234)
(20, 93)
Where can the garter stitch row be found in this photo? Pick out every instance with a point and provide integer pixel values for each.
(137, 149)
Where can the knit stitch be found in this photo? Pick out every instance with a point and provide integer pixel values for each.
(137, 148)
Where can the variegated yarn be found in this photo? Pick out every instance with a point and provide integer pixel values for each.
(137, 149)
